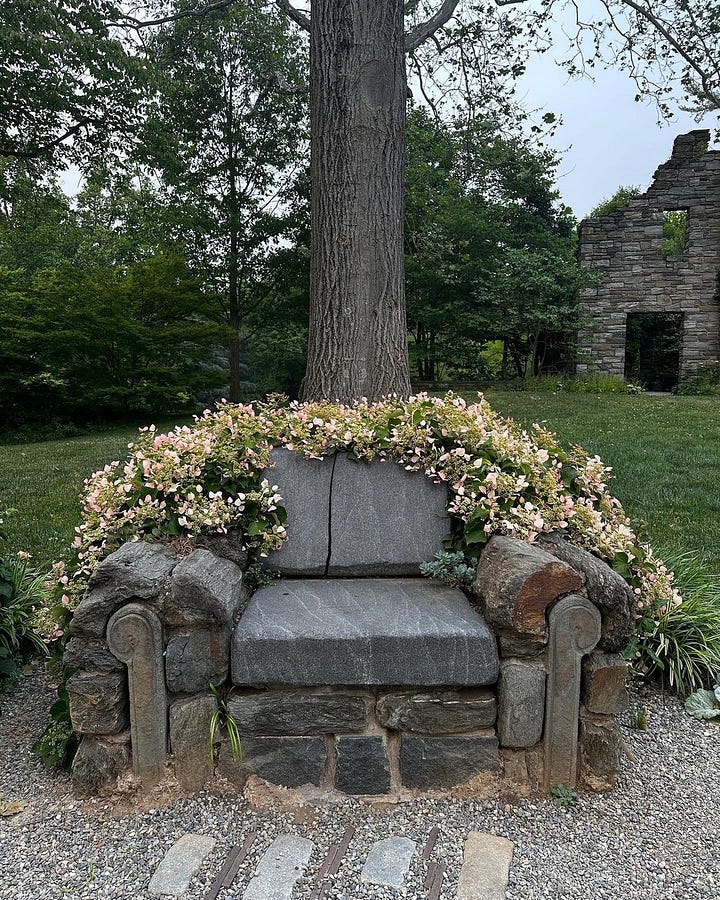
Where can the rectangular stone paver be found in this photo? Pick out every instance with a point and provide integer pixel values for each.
(388, 862)
(486, 867)
(280, 868)
(173, 875)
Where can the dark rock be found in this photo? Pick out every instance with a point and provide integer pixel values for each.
(82, 653)
(384, 520)
(523, 645)
(283, 713)
(604, 688)
(446, 712)
(521, 703)
(137, 571)
(362, 632)
(304, 485)
(228, 546)
(600, 750)
(287, 761)
(607, 590)
(195, 660)
(190, 740)
(206, 591)
(363, 766)
(442, 762)
(98, 763)
(98, 702)
(516, 583)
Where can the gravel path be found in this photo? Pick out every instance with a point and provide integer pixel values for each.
(656, 836)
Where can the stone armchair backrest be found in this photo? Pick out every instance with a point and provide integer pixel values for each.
(352, 518)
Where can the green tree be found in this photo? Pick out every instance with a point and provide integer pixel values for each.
(619, 200)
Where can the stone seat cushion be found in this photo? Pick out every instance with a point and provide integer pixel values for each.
(389, 631)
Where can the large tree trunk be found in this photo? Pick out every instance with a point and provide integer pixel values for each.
(358, 333)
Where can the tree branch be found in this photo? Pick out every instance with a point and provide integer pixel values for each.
(137, 24)
(39, 150)
(298, 17)
(424, 30)
(705, 80)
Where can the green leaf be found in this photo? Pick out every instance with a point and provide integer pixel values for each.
(703, 705)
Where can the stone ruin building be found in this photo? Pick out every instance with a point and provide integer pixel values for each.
(654, 317)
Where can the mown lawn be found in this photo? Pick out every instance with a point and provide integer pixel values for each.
(665, 452)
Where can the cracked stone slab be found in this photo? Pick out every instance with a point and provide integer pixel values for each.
(388, 862)
(362, 632)
(384, 519)
(280, 868)
(174, 874)
(486, 867)
(304, 485)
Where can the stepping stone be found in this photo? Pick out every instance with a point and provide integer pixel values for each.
(280, 868)
(486, 867)
(179, 864)
(388, 862)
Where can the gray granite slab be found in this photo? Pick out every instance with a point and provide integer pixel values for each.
(384, 519)
(280, 868)
(304, 485)
(388, 862)
(172, 877)
(486, 867)
(362, 632)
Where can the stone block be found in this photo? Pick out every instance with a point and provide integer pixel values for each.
(362, 765)
(287, 761)
(280, 868)
(600, 751)
(607, 590)
(388, 862)
(175, 872)
(195, 660)
(485, 870)
(604, 687)
(98, 763)
(521, 703)
(137, 571)
(134, 635)
(206, 591)
(86, 653)
(190, 721)
(430, 763)
(362, 632)
(574, 632)
(304, 485)
(300, 714)
(445, 712)
(98, 702)
(385, 521)
(516, 583)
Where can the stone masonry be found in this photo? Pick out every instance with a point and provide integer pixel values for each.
(365, 685)
(624, 248)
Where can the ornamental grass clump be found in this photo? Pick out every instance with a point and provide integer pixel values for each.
(501, 479)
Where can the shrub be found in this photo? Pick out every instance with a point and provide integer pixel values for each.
(680, 642)
(587, 383)
(22, 592)
(705, 382)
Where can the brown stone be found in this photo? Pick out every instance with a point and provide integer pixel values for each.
(98, 763)
(600, 751)
(190, 740)
(604, 688)
(516, 582)
(442, 712)
(98, 702)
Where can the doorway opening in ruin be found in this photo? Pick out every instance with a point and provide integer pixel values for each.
(652, 349)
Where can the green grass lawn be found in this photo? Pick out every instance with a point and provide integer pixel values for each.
(665, 452)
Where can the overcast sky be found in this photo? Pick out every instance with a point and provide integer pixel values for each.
(609, 139)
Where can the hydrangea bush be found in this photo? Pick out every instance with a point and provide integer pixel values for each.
(501, 479)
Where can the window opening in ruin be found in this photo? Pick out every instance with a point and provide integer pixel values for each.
(674, 234)
(652, 349)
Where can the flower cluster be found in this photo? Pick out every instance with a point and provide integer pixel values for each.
(501, 479)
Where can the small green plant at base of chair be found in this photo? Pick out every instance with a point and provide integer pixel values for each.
(452, 568)
(222, 720)
(565, 796)
(639, 721)
(704, 704)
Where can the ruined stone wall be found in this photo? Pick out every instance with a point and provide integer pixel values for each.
(625, 249)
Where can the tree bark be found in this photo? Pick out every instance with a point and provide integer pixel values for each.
(233, 298)
(358, 333)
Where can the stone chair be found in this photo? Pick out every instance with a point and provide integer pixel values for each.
(352, 672)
